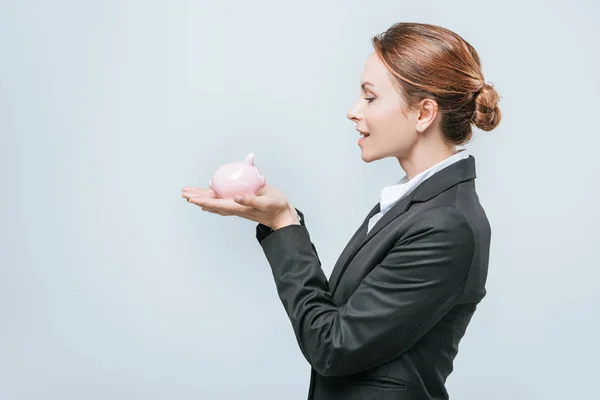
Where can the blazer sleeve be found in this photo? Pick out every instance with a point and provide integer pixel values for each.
(398, 301)
(262, 231)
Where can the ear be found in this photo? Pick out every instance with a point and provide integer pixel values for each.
(427, 114)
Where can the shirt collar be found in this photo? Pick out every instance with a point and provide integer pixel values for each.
(393, 193)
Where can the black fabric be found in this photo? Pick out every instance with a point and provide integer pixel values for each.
(401, 296)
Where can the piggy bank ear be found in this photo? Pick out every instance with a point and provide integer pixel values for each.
(249, 160)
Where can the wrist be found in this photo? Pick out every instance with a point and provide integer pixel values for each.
(289, 217)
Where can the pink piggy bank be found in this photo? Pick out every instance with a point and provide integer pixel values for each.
(238, 177)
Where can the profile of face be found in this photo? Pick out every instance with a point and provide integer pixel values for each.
(378, 113)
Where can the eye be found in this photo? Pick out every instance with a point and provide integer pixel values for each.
(369, 99)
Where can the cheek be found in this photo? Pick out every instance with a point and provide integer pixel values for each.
(384, 119)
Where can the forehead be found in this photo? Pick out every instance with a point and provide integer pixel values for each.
(375, 72)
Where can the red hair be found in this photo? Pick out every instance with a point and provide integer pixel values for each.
(428, 61)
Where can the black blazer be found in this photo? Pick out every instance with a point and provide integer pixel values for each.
(388, 322)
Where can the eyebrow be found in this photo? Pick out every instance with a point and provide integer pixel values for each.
(365, 84)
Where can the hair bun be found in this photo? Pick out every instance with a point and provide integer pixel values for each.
(487, 114)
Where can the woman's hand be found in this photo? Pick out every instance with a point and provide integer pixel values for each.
(269, 206)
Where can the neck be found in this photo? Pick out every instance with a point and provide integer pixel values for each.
(425, 155)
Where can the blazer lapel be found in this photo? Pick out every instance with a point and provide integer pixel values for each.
(361, 237)
(345, 256)
(458, 172)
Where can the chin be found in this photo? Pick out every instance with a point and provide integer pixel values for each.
(367, 157)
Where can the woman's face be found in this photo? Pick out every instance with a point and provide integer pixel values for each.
(378, 113)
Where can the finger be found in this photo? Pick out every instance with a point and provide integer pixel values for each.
(223, 207)
(189, 189)
(199, 195)
(227, 205)
(250, 201)
(197, 201)
(208, 203)
(198, 192)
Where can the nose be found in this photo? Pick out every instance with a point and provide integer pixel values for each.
(353, 113)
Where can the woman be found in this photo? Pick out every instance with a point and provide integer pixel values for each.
(388, 323)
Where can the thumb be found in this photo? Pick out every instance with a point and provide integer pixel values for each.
(245, 199)
(251, 200)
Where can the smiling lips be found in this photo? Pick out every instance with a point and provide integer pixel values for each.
(364, 136)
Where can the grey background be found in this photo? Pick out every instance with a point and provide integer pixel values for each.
(113, 287)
